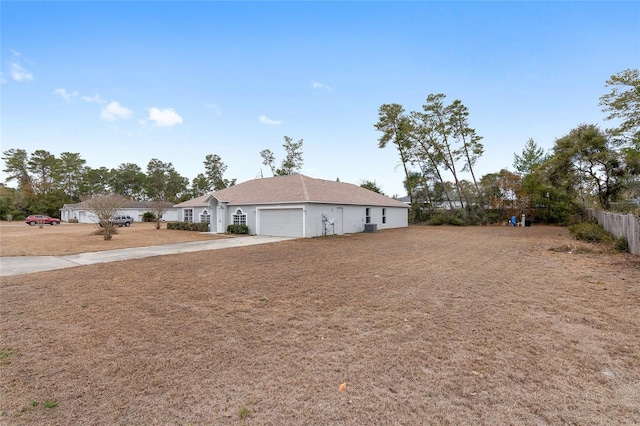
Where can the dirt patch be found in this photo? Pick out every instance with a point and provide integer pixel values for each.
(20, 239)
(425, 325)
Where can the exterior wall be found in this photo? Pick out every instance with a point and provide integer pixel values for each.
(350, 219)
(85, 216)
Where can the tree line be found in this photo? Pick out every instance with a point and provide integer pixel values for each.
(586, 167)
(46, 182)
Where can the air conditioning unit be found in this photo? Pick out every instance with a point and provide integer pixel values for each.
(370, 227)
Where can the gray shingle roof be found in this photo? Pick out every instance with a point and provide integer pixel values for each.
(297, 189)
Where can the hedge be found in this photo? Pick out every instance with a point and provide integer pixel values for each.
(238, 229)
(189, 226)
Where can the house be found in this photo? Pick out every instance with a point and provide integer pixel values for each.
(295, 206)
(135, 209)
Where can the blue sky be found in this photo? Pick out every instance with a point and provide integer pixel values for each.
(125, 82)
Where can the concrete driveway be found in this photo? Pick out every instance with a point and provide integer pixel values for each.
(28, 264)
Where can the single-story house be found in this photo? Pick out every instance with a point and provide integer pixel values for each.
(295, 206)
(135, 209)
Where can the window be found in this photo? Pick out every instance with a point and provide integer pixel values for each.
(205, 216)
(187, 214)
(239, 217)
(367, 215)
(384, 215)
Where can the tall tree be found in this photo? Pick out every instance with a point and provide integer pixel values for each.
(93, 182)
(396, 128)
(128, 180)
(268, 159)
(623, 103)
(17, 168)
(163, 183)
(587, 152)
(292, 162)
(200, 185)
(68, 174)
(437, 119)
(532, 156)
(42, 164)
(214, 173)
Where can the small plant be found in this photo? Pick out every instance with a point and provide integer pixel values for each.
(34, 403)
(243, 413)
(6, 353)
(50, 404)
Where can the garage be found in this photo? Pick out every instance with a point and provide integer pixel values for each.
(281, 222)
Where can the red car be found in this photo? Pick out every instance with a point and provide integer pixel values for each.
(40, 218)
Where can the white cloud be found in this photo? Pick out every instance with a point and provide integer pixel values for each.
(265, 120)
(20, 74)
(64, 94)
(164, 117)
(318, 86)
(95, 99)
(115, 111)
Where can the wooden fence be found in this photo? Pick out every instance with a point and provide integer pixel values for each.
(619, 225)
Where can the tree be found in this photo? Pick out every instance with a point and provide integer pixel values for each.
(128, 180)
(68, 174)
(268, 159)
(93, 182)
(17, 168)
(396, 128)
(106, 208)
(532, 156)
(200, 186)
(42, 164)
(623, 103)
(158, 208)
(163, 183)
(586, 153)
(292, 162)
(371, 186)
(214, 173)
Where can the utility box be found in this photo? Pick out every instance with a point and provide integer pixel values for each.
(370, 227)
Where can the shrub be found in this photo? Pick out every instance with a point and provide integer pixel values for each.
(148, 217)
(621, 244)
(588, 231)
(73, 221)
(237, 229)
(189, 226)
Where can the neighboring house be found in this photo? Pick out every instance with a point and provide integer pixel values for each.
(295, 206)
(135, 209)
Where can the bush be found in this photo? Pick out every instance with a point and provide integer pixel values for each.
(238, 229)
(188, 226)
(72, 221)
(588, 231)
(621, 244)
(148, 217)
(442, 218)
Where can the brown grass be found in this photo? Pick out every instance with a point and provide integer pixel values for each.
(426, 325)
(20, 239)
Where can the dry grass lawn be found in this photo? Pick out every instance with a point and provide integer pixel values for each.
(20, 239)
(425, 325)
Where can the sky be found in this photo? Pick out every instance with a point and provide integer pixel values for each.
(130, 81)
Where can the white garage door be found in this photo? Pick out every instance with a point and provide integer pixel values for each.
(281, 222)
